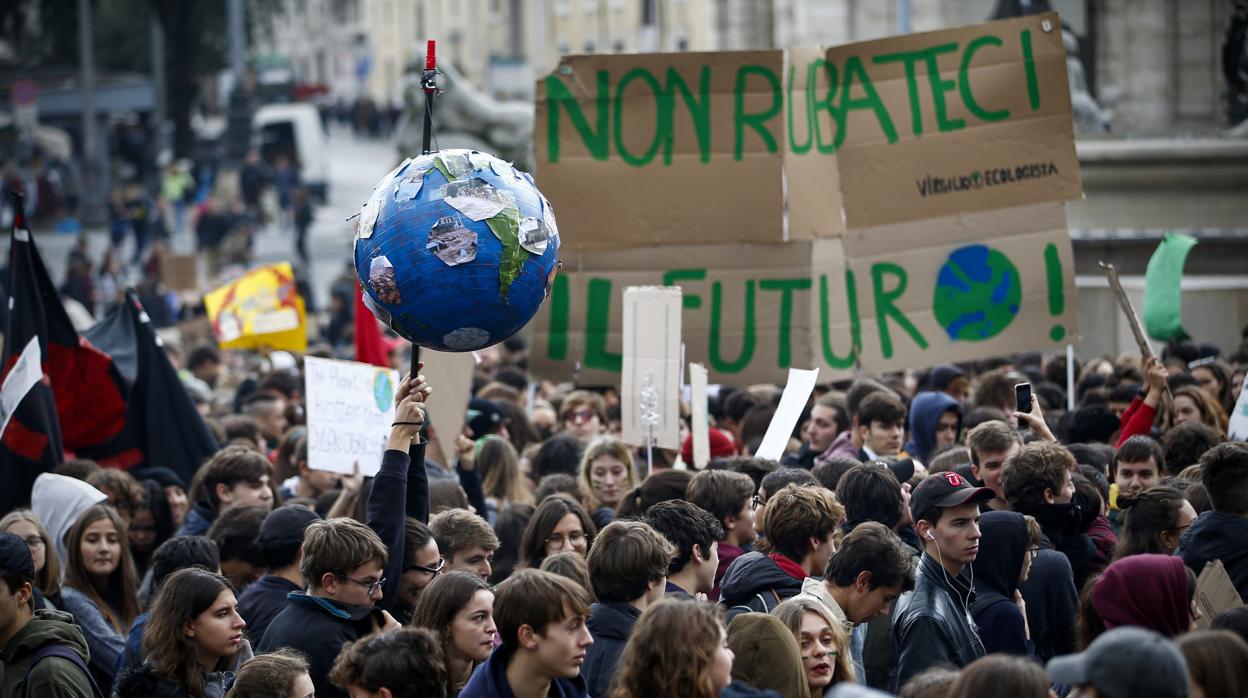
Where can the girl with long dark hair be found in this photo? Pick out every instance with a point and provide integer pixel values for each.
(459, 608)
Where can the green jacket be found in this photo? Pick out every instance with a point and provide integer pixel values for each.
(53, 677)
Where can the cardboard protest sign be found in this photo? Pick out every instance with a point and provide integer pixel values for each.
(1215, 593)
(699, 425)
(450, 376)
(350, 407)
(793, 400)
(180, 272)
(262, 308)
(650, 386)
(943, 122)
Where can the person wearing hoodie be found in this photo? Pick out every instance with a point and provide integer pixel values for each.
(236, 474)
(58, 500)
(1005, 552)
(766, 655)
(1220, 534)
(544, 638)
(42, 652)
(935, 421)
(802, 525)
(628, 568)
(932, 624)
(1146, 591)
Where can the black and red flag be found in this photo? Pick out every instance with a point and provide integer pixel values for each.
(163, 428)
(78, 404)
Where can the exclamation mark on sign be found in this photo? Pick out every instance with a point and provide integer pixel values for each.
(1057, 295)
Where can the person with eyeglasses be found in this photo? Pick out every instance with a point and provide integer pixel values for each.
(422, 563)
(560, 524)
(1007, 547)
(1153, 521)
(351, 568)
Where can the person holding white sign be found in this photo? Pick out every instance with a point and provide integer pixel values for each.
(352, 570)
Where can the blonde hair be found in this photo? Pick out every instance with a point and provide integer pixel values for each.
(48, 579)
(606, 446)
(338, 546)
(790, 612)
(500, 468)
(671, 652)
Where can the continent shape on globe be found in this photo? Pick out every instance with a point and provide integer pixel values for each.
(978, 293)
(456, 250)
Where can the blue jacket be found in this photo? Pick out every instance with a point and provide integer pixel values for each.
(925, 413)
(610, 624)
(489, 680)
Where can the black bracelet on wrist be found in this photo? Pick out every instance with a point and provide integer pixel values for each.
(409, 424)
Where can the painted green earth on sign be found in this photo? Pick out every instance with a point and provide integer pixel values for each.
(977, 294)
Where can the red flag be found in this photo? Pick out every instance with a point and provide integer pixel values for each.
(370, 347)
(79, 403)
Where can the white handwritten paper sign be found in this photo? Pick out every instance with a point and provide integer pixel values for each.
(350, 409)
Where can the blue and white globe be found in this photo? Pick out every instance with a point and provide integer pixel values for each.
(456, 250)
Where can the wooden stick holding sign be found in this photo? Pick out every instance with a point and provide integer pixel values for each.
(1146, 350)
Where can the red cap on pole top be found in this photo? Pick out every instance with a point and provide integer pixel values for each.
(430, 63)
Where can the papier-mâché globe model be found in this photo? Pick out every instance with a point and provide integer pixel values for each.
(456, 250)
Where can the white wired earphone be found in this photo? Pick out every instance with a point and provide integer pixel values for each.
(966, 602)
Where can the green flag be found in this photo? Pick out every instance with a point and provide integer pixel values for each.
(1163, 315)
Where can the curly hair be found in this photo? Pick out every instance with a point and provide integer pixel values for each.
(1031, 470)
(408, 661)
(671, 652)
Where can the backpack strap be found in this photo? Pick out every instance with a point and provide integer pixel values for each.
(62, 652)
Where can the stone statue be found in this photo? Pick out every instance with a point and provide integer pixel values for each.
(463, 117)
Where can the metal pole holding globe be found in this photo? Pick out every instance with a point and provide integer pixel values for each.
(455, 249)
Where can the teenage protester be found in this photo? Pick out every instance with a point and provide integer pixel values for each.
(1138, 418)
(932, 624)
(1124, 663)
(694, 533)
(1138, 464)
(802, 525)
(729, 497)
(465, 540)
(422, 563)
(350, 568)
(862, 580)
(1154, 521)
(1038, 481)
(1217, 662)
(661, 486)
(400, 663)
(1148, 591)
(1000, 675)
(1220, 534)
(541, 626)
(43, 652)
(881, 423)
(25, 525)
(57, 500)
(280, 542)
(822, 640)
(849, 442)
(766, 655)
(991, 443)
(574, 567)
(872, 492)
(772, 483)
(677, 649)
(173, 555)
(1009, 541)
(193, 634)
(935, 423)
(559, 524)
(234, 474)
(281, 674)
(828, 418)
(628, 568)
(101, 587)
(607, 473)
(307, 482)
(459, 608)
(235, 532)
(583, 415)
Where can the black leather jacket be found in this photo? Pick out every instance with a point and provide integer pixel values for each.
(932, 626)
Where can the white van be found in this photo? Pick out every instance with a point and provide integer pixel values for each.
(295, 130)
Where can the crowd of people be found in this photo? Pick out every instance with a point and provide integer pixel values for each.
(923, 536)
